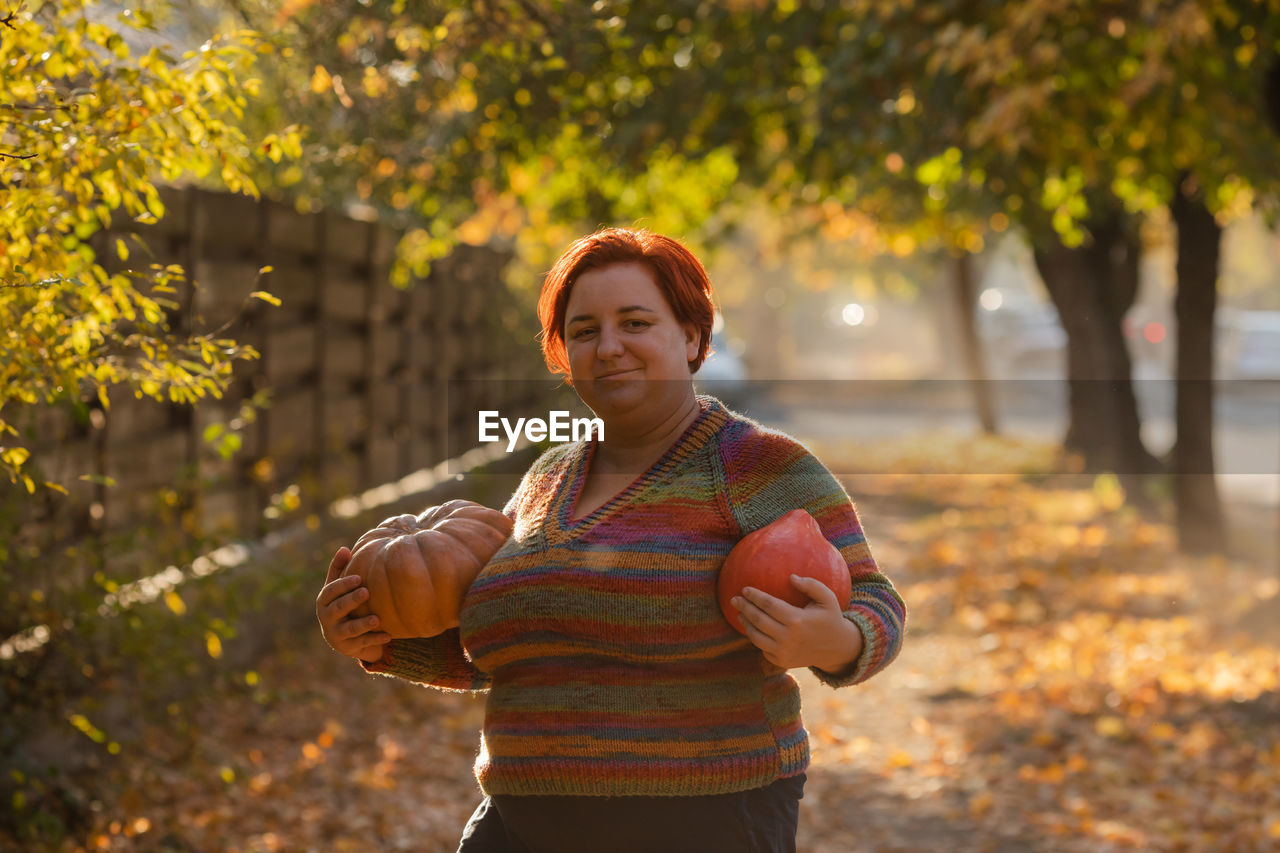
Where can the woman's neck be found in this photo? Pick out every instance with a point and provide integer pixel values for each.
(625, 451)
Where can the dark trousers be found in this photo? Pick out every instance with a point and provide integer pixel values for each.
(763, 820)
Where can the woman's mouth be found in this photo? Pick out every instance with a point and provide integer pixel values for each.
(617, 373)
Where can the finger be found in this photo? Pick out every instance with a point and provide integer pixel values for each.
(340, 608)
(775, 608)
(816, 590)
(371, 654)
(338, 563)
(751, 615)
(758, 638)
(357, 628)
(374, 640)
(331, 591)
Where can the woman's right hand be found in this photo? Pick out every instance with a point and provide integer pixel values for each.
(353, 636)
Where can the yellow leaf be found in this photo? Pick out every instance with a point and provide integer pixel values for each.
(321, 82)
(213, 644)
(15, 456)
(1110, 727)
(1108, 491)
(265, 297)
(900, 759)
(175, 603)
(122, 250)
(474, 232)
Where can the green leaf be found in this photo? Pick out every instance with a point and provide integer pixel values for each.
(229, 445)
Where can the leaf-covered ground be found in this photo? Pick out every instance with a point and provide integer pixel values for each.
(1068, 684)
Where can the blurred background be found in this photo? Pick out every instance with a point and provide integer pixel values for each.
(856, 326)
(1011, 270)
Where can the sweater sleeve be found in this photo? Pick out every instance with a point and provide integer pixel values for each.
(768, 474)
(434, 661)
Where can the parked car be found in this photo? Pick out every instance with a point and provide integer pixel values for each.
(1025, 341)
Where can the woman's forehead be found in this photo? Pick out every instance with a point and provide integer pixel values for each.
(615, 288)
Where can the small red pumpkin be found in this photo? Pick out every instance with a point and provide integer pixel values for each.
(766, 558)
(417, 568)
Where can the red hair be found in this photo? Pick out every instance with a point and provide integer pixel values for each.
(678, 274)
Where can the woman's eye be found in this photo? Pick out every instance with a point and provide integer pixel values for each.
(637, 324)
(580, 334)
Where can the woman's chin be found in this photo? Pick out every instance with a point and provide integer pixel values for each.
(617, 398)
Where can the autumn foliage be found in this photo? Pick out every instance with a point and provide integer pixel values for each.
(91, 124)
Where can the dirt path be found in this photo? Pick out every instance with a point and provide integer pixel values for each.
(1067, 685)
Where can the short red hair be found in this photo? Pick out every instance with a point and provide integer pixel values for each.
(678, 274)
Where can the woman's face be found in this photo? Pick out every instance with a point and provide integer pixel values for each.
(627, 352)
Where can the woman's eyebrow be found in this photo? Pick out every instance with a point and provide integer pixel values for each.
(624, 310)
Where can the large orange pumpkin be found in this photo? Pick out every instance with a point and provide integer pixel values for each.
(417, 568)
(766, 559)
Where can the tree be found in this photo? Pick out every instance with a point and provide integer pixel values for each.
(1073, 121)
(88, 128)
(936, 122)
(464, 122)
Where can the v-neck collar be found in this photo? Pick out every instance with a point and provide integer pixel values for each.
(562, 526)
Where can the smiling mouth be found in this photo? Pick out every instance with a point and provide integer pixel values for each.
(617, 373)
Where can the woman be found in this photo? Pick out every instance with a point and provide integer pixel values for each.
(624, 713)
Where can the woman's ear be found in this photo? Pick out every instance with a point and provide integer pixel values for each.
(692, 341)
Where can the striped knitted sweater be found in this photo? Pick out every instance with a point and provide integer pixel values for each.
(609, 667)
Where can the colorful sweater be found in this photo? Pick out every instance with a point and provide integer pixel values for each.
(609, 667)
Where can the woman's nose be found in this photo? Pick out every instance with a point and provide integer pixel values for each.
(609, 344)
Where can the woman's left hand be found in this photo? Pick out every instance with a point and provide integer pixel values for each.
(814, 635)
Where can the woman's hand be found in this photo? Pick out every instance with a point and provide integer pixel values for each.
(354, 637)
(814, 635)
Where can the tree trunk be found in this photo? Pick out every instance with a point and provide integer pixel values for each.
(1092, 287)
(975, 364)
(1200, 522)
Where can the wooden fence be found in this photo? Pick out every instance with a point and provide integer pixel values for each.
(366, 382)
